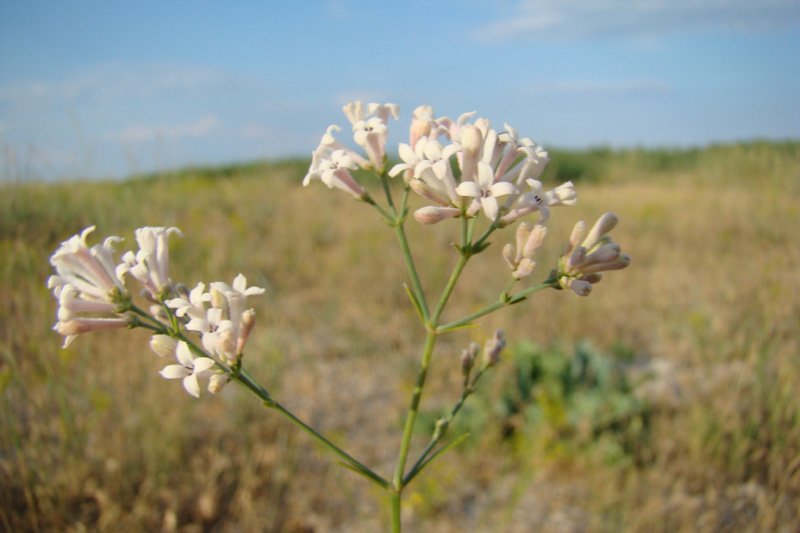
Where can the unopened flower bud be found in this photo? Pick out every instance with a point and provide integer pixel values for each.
(525, 268)
(226, 343)
(575, 237)
(534, 241)
(471, 138)
(441, 427)
(493, 348)
(579, 286)
(603, 225)
(508, 255)
(163, 345)
(433, 215)
(468, 357)
(246, 326)
(217, 381)
(158, 312)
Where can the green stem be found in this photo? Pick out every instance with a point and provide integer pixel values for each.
(430, 342)
(397, 221)
(468, 390)
(396, 501)
(551, 282)
(244, 378)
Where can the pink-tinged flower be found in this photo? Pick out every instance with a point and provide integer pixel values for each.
(89, 292)
(584, 259)
(189, 368)
(528, 241)
(90, 271)
(150, 264)
(333, 169)
(370, 129)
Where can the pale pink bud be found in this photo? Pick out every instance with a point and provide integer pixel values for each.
(226, 343)
(579, 286)
(535, 240)
(508, 255)
(575, 237)
(246, 326)
(468, 357)
(433, 215)
(603, 225)
(523, 232)
(421, 124)
(525, 268)
(493, 348)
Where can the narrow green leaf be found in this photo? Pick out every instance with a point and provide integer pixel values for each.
(369, 474)
(455, 328)
(414, 301)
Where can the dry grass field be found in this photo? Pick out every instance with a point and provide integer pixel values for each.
(665, 401)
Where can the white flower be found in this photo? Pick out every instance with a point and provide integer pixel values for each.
(225, 327)
(90, 271)
(536, 200)
(485, 191)
(150, 264)
(189, 368)
(194, 307)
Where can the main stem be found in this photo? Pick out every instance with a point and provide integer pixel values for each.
(413, 410)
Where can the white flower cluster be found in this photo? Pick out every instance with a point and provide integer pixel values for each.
(92, 296)
(491, 165)
(332, 161)
(219, 316)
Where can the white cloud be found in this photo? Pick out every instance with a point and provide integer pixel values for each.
(201, 127)
(576, 19)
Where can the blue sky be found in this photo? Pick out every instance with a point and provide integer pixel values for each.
(99, 89)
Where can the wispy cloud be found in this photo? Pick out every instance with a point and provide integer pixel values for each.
(201, 127)
(114, 82)
(578, 19)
